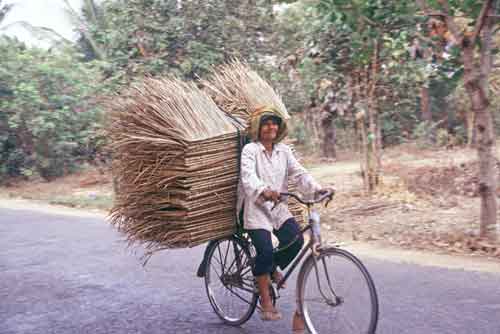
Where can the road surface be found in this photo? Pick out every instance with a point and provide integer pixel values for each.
(72, 274)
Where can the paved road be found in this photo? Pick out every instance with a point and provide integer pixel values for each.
(61, 274)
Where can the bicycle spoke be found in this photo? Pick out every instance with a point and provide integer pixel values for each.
(242, 288)
(220, 257)
(235, 260)
(219, 261)
(352, 325)
(247, 271)
(237, 295)
(232, 295)
(218, 274)
(227, 252)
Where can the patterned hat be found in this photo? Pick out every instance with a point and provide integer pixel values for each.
(264, 112)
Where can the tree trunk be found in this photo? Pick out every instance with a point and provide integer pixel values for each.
(373, 119)
(328, 142)
(356, 146)
(311, 123)
(355, 95)
(425, 109)
(365, 155)
(379, 142)
(485, 140)
(470, 127)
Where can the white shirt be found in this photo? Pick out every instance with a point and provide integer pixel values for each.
(260, 171)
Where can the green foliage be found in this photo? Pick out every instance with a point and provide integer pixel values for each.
(337, 39)
(311, 52)
(423, 134)
(165, 37)
(437, 134)
(49, 119)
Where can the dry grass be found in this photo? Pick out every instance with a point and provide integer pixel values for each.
(176, 158)
(175, 165)
(238, 90)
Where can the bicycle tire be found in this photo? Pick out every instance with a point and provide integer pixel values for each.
(351, 306)
(230, 285)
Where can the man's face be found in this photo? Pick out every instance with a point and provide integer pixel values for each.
(269, 130)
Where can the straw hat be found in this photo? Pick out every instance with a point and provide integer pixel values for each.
(255, 120)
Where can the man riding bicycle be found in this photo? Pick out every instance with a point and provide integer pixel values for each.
(266, 167)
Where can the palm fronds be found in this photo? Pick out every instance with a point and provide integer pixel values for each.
(238, 90)
(175, 163)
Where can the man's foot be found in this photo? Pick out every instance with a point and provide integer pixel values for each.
(270, 315)
(298, 324)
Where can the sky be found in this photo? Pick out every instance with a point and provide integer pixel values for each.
(46, 13)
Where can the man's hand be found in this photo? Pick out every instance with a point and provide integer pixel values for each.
(324, 191)
(270, 195)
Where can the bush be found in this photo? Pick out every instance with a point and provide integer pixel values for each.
(49, 116)
(424, 134)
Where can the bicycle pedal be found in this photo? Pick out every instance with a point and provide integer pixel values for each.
(275, 292)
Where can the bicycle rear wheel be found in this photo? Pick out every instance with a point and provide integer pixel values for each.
(337, 294)
(229, 281)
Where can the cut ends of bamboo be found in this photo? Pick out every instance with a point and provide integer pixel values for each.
(176, 155)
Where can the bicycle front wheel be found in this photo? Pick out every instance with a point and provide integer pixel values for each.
(229, 281)
(336, 294)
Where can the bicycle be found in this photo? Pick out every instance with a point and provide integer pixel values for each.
(325, 282)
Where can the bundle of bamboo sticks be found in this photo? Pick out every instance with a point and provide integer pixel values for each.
(238, 91)
(175, 165)
(176, 162)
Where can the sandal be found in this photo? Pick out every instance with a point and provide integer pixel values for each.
(273, 315)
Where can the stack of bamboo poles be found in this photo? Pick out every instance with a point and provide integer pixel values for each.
(238, 91)
(175, 165)
(176, 158)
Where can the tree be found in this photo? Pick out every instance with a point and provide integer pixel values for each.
(474, 50)
(89, 18)
(178, 38)
(370, 51)
(49, 119)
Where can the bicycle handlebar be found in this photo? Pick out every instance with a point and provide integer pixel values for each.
(327, 195)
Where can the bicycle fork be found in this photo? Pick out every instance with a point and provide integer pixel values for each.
(314, 222)
(332, 299)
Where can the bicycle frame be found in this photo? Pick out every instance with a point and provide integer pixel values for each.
(314, 265)
(240, 235)
(309, 247)
(297, 259)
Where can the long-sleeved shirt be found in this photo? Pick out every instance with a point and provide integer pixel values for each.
(261, 171)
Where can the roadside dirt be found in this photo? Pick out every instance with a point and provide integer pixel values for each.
(89, 189)
(427, 202)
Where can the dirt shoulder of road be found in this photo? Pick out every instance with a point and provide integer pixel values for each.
(427, 201)
(39, 206)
